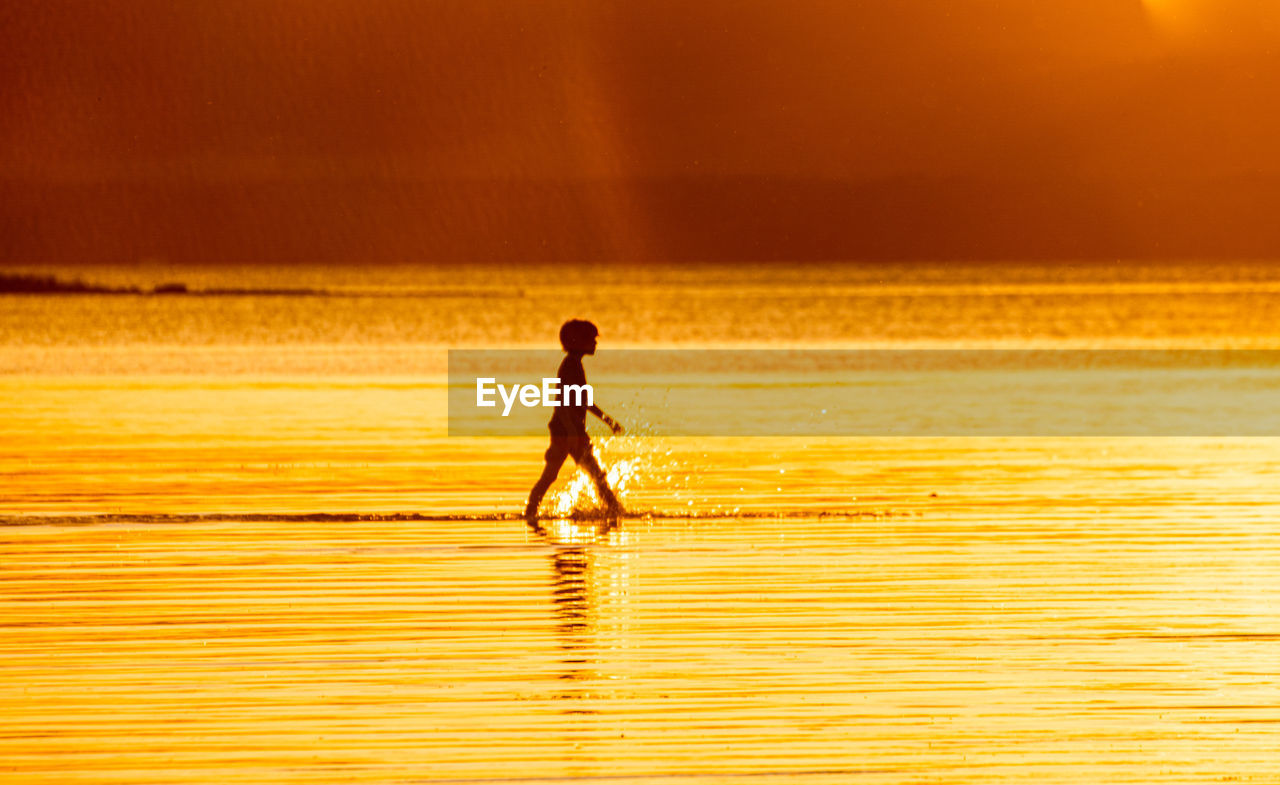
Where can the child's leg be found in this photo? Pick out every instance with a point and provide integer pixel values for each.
(555, 456)
(587, 460)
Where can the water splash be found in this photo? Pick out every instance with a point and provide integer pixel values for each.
(581, 498)
(631, 465)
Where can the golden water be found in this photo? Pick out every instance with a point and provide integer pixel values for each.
(238, 546)
(1029, 644)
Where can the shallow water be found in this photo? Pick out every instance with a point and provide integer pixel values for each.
(1127, 643)
(238, 544)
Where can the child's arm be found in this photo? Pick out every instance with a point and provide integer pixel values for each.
(606, 419)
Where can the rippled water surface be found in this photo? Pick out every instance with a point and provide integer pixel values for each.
(1135, 643)
(239, 545)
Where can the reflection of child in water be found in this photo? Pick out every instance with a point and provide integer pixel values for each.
(569, 423)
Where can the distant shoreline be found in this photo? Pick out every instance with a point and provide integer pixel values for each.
(31, 283)
(45, 284)
(35, 283)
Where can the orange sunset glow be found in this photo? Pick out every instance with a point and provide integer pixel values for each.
(442, 131)
(639, 392)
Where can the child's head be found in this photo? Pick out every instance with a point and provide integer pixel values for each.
(578, 335)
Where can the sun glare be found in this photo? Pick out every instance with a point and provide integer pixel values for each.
(1234, 24)
(1173, 16)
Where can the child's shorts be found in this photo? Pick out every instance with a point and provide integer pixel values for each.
(576, 447)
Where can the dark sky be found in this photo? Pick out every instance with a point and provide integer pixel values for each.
(469, 130)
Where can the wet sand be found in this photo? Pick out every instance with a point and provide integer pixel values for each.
(1058, 644)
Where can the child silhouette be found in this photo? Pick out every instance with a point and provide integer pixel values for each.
(568, 424)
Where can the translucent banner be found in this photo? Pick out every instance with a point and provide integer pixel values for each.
(879, 392)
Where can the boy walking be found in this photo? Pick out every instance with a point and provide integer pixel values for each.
(568, 424)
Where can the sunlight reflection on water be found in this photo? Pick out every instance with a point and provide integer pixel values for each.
(239, 546)
(967, 648)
